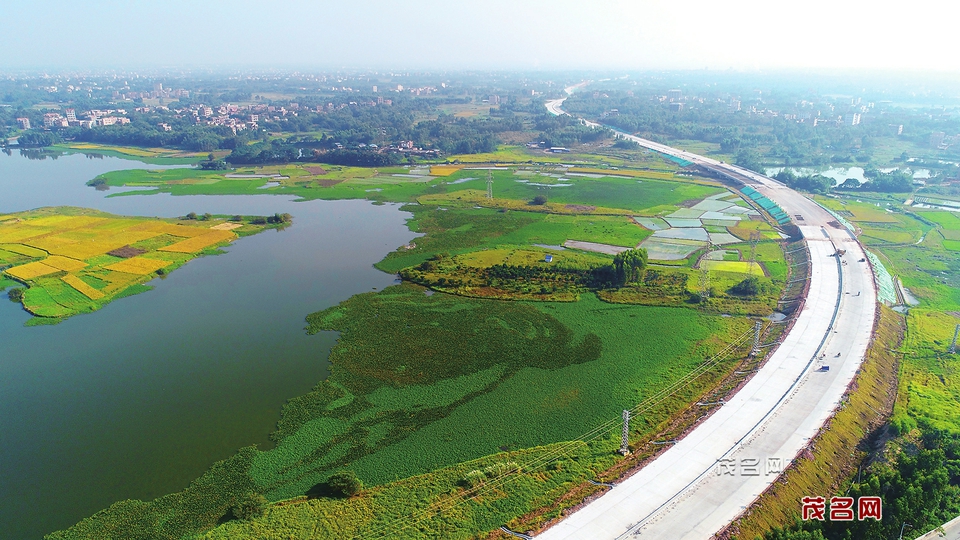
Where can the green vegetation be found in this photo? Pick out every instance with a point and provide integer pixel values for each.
(440, 394)
(75, 260)
(514, 273)
(156, 156)
(919, 488)
(463, 501)
(172, 517)
(393, 393)
(250, 507)
(346, 483)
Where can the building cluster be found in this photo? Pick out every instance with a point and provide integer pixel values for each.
(942, 141)
(158, 92)
(89, 119)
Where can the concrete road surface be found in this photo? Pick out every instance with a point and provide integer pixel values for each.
(706, 480)
(951, 531)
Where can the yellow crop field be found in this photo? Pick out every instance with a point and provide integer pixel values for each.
(633, 174)
(85, 250)
(82, 287)
(24, 250)
(129, 237)
(740, 267)
(176, 230)
(17, 232)
(67, 222)
(138, 265)
(67, 240)
(64, 263)
(444, 170)
(118, 281)
(121, 149)
(49, 242)
(195, 244)
(31, 270)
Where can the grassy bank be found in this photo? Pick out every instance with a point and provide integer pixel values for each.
(842, 444)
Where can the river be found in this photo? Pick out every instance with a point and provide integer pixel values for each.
(139, 398)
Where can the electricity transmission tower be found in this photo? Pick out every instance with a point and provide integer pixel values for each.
(757, 327)
(754, 238)
(704, 281)
(624, 448)
(489, 184)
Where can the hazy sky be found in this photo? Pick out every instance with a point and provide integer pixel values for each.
(489, 34)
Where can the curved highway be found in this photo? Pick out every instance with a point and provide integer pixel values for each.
(702, 483)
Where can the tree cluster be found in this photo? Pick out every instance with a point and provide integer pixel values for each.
(922, 488)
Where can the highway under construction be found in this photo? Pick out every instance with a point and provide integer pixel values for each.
(707, 479)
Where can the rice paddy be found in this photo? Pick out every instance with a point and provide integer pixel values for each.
(67, 257)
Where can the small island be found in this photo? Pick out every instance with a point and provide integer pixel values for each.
(62, 261)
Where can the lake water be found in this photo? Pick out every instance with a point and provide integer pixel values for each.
(139, 398)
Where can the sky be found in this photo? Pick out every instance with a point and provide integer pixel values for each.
(487, 35)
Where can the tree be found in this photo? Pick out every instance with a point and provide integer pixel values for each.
(850, 183)
(628, 265)
(249, 507)
(747, 287)
(897, 181)
(15, 295)
(539, 200)
(214, 165)
(346, 483)
(749, 159)
(280, 218)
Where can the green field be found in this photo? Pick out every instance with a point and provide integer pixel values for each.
(157, 156)
(929, 390)
(75, 260)
(320, 181)
(335, 182)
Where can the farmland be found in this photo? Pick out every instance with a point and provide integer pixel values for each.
(74, 260)
(159, 156)
(929, 389)
(323, 181)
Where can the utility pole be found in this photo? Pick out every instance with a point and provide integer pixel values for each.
(953, 345)
(624, 448)
(757, 327)
(704, 280)
(489, 184)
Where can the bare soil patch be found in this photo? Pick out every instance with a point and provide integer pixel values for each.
(126, 252)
